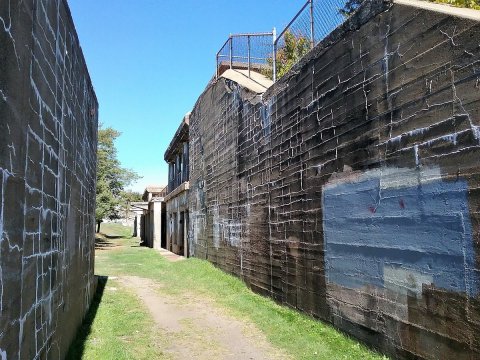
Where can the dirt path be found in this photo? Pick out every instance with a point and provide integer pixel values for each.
(197, 329)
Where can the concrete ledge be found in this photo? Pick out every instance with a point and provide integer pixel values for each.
(257, 82)
(180, 135)
(170, 256)
(442, 8)
(182, 187)
(139, 205)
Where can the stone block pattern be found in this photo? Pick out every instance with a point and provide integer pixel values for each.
(351, 189)
(48, 136)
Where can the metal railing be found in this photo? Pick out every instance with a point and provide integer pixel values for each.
(273, 56)
(246, 52)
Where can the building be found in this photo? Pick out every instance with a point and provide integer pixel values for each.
(138, 208)
(177, 157)
(153, 226)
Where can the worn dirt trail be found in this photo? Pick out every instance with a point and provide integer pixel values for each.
(193, 328)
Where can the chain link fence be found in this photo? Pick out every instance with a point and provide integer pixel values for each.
(313, 22)
(273, 56)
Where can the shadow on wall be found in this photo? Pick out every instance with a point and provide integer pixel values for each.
(77, 347)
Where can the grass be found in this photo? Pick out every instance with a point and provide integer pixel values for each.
(121, 329)
(115, 231)
(297, 334)
(117, 325)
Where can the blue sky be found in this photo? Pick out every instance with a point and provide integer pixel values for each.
(149, 60)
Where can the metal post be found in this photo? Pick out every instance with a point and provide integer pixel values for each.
(216, 77)
(248, 50)
(312, 26)
(231, 51)
(274, 62)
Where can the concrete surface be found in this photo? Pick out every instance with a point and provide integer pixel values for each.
(191, 327)
(442, 8)
(170, 256)
(256, 82)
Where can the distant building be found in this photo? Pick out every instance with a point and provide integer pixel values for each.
(177, 157)
(138, 208)
(153, 221)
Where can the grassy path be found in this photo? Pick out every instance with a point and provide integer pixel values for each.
(128, 326)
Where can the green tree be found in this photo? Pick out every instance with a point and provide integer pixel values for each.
(350, 7)
(128, 196)
(294, 48)
(112, 178)
(471, 4)
(132, 196)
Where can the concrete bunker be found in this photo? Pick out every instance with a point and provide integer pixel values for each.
(349, 188)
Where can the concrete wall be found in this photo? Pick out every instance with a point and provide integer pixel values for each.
(158, 207)
(48, 135)
(153, 223)
(351, 189)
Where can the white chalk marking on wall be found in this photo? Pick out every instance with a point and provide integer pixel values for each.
(54, 151)
(5, 176)
(7, 27)
(417, 157)
(216, 227)
(11, 148)
(475, 128)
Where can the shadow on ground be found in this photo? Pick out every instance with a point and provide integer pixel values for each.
(141, 244)
(78, 346)
(104, 243)
(114, 236)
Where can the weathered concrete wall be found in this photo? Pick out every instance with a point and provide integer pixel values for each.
(48, 135)
(156, 210)
(177, 220)
(351, 190)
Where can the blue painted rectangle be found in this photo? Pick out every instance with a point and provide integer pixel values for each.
(425, 229)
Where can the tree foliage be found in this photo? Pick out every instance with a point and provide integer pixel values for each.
(112, 178)
(293, 49)
(132, 196)
(350, 7)
(471, 4)
(128, 197)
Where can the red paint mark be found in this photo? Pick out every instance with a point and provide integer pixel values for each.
(402, 203)
(372, 209)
